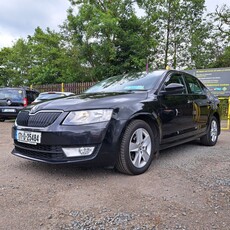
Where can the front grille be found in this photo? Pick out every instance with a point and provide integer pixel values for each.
(41, 155)
(41, 119)
(42, 152)
(38, 147)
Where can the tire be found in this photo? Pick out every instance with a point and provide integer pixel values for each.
(136, 149)
(2, 119)
(211, 137)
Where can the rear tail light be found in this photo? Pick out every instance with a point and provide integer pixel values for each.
(25, 102)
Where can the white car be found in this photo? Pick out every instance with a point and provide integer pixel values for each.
(45, 96)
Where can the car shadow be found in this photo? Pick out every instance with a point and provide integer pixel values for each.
(75, 171)
(64, 170)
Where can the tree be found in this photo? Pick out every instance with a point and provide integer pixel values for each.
(222, 60)
(177, 20)
(221, 36)
(5, 72)
(104, 38)
(15, 64)
(110, 38)
(47, 56)
(221, 18)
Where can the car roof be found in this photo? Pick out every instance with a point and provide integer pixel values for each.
(19, 88)
(57, 92)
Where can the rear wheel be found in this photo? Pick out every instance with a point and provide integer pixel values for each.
(137, 148)
(211, 137)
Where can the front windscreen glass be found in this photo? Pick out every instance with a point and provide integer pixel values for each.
(128, 82)
(50, 96)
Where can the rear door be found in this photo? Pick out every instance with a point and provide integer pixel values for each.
(200, 101)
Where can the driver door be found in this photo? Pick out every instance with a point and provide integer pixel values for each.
(176, 111)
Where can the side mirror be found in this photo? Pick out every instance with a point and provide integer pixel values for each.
(173, 88)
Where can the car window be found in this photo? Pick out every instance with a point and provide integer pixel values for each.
(193, 85)
(50, 96)
(31, 96)
(128, 82)
(12, 94)
(175, 78)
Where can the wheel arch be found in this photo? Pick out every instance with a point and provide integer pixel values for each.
(153, 123)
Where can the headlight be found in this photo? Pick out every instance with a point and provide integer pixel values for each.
(88, 117)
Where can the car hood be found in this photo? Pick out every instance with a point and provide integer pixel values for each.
(91, 101)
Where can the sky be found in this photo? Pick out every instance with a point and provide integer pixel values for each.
(20, 18)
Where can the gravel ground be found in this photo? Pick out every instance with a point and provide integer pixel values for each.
(187, 187)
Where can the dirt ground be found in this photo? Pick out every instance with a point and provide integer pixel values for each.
(187, 187)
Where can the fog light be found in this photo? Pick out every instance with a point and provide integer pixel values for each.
(78, 152)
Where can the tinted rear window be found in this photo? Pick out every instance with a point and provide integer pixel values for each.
(12, 94)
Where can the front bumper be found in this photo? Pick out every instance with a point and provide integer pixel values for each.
(104, 137)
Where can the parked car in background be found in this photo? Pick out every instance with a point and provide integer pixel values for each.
(122, 122)
(45, 96)
(13, 100)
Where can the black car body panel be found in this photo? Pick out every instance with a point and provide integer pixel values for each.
(174, 113)
(91, 101)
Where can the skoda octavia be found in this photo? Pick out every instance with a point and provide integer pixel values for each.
(120, 122)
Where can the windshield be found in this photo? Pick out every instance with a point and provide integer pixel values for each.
(128, 82)
(50, 96)
(12, 94)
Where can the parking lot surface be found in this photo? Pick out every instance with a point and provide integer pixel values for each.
(186, 187)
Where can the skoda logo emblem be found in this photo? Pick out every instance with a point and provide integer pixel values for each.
(33, 110)
(8, 102)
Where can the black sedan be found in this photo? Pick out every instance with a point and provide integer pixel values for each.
(121, 122)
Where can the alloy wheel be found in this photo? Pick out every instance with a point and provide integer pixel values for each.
(140, 148)
(213, 131)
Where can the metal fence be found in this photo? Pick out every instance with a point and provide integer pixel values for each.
(76, 87)
(225, 112)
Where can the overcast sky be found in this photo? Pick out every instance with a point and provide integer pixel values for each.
(19, 18)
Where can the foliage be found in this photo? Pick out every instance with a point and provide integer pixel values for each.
(221, 18)
(222, 60)
(221, 36)
(177, 22)
(14, 64)
(110, 36)
(104, 38)
(41, 59)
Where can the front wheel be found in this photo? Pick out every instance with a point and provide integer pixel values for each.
(137, 148)
(211, 137)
